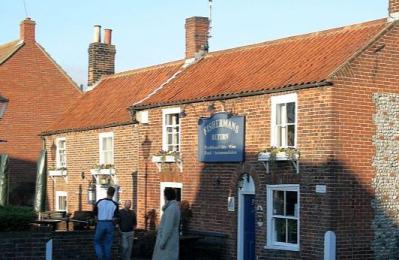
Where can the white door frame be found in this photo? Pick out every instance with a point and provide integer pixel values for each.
(163, 185)
(247, 187)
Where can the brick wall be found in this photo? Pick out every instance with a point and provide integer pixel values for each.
(82, 155)
(66, 245)
(335, 137)
(39, 92)
(208, 196)
(374, 71)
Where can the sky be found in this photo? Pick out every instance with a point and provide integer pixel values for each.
(152, 32)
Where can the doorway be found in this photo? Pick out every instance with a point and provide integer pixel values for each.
(177, 186)
(246, 219)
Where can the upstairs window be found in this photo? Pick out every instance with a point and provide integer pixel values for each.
(107, 148)
(284, 120)
(61, 153)
(283, 217)
(171, 130)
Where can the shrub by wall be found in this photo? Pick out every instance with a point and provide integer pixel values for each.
(14, 218)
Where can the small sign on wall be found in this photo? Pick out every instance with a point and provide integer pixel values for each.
(230, 204)
(321, 188)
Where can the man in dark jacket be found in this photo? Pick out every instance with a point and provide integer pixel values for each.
(127, 225)
(106, 213)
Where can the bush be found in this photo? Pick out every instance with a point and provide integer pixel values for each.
(14, 218)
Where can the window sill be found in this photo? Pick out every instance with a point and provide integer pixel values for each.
(110, 171)
(160, 159)
(56, 173)
(285, 248)
(266, 157)
(164, 159)
(281, 156)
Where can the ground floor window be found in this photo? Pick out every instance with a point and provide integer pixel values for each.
(283, 217)
(61, 201)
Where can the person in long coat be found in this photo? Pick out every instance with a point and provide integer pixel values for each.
(167, 243)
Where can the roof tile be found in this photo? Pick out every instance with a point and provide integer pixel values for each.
(107, 103)
(271, 65)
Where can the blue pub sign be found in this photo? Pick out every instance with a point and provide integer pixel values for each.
(221, 138)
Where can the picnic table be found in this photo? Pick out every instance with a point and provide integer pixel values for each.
(48, 222)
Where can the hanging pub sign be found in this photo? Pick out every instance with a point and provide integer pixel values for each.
(221, 138)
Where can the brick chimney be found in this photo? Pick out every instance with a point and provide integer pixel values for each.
(27, 30)
(196, 35)
(101, 56)
(393, 10)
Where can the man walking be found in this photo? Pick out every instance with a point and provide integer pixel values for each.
(167, 243)
(127, 225)
(106, 212)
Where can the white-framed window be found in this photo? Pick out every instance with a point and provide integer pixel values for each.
(61, 198)
(106, 148)
(61, 153)
(283, 217)
(171, 129)
(284, 120)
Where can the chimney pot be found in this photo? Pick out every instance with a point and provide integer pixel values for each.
(97, 33)
(197, 29)
(27, 30)
(107, 36)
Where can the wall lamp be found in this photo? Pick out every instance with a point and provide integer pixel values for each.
(212, 107)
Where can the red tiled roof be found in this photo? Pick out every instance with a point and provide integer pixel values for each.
(298, 60)
(8, 49)
(271, 65)
(107, 103)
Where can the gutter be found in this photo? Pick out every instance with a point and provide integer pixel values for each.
(82, 129)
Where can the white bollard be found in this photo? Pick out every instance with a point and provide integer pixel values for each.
(49, 250)
(329, 245)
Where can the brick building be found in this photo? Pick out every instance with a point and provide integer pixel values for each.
(38, 91)
(331, 96)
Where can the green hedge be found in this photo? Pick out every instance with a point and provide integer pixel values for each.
(14, 218)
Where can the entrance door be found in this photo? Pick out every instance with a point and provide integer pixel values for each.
(249, 227)
(176, 186)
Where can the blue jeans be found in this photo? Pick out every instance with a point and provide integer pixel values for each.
(103, 239)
